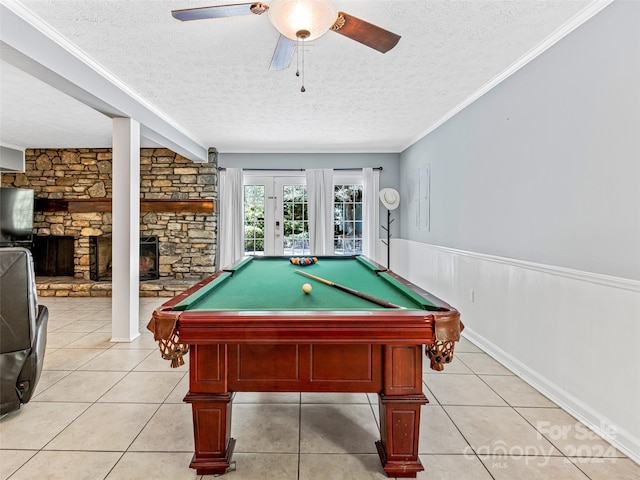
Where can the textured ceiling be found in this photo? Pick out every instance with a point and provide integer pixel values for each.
(211, 77)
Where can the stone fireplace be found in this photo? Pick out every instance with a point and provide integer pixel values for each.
(73, 199)
(101, 258)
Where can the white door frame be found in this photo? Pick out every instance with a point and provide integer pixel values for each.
(273, 183)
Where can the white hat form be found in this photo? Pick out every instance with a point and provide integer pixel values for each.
(390, 198)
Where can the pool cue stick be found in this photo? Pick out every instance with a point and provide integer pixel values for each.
(371, 298)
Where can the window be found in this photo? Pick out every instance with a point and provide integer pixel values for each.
(295, 240)
(347, 207)
(254, 203)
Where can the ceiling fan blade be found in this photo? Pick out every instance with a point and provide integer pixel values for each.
(219, 11)
(364, 32)
(283, 53)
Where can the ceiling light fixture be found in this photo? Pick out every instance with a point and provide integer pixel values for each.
(302, 20)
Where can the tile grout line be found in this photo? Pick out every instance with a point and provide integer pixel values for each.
(458, 428)
(127, 372)
(299, 434)
(562, 454)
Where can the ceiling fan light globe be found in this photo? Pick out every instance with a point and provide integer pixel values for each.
(292, 16)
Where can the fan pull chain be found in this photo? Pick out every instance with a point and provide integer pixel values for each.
(300, 35)
(297, 56)
(302, 89)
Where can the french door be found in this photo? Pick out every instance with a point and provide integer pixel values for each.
(276, 220)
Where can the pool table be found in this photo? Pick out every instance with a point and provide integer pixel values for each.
(250, 327)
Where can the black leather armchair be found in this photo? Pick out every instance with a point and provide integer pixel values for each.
(23, 329)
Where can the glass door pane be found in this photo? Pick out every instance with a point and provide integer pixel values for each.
(294, 217)
(347, 203)
(254, 219)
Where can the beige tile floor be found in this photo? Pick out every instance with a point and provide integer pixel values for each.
(115, 411)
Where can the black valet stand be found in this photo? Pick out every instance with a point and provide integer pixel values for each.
(390, 199)
(388, 242)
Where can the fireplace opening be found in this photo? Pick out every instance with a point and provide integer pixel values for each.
(149, 258)
(100, 258)
(53, 256)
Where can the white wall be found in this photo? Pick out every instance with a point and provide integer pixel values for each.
(535, 205)
(389, 161)
(389, 177)
(546, 166)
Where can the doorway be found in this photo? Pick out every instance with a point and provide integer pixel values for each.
(276, 220)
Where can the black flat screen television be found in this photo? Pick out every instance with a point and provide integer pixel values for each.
(16, 215)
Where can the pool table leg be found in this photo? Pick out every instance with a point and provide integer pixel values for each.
(211, 430)
(399, 433)
(400, 403)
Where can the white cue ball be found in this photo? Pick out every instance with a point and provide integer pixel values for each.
(306, 288)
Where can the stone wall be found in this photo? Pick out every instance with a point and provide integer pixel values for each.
(187, 240)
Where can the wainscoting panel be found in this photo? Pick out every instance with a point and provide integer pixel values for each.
(574, 336)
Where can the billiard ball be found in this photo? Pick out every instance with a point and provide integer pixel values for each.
(306, 288)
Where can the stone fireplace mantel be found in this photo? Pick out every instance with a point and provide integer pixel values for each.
(90, 205)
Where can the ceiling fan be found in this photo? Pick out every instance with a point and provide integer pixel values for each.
(299, 20)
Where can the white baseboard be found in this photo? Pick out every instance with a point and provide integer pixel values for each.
(124, 339)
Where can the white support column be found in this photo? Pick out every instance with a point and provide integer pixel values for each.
(126, 230)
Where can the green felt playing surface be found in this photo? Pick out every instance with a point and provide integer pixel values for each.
(271, 283)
